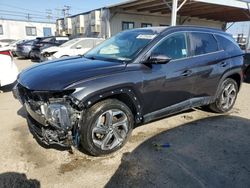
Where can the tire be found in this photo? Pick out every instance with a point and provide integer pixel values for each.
(247, 79)
(99, 133)
(226, 98)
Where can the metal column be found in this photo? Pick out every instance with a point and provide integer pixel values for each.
(174, 12)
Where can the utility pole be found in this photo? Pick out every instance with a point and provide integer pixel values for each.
(65, 12)
(49, 14)
(28, 17)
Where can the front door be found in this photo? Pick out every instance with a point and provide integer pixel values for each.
(169, 84)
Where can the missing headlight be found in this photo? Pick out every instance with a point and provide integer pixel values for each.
(58, 115)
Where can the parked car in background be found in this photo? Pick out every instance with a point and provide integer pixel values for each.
(23, 49)
(77, 46)
(6, 42)
(8, 69)
(135, 77)
(45, 42)
(247, 67)
(13, 46)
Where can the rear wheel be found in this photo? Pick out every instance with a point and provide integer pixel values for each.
(247, 79)
(106, 127)
(226, 98)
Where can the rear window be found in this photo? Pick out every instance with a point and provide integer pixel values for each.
(47, 40)
(203, 43)
(29, 42)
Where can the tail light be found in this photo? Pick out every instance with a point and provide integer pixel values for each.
(7, 52)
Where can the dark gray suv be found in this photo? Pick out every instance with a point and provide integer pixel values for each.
(94, 101)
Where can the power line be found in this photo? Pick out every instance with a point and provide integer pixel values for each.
(17, 12)
(28, 16)
(25, 9)
(7, 5)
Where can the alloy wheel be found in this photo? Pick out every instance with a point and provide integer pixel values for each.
(110, 129)
(228, 96)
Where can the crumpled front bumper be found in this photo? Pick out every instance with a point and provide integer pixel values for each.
(39, 127)
(40, 133)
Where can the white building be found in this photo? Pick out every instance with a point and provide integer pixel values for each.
(19, 29)
(108, 21)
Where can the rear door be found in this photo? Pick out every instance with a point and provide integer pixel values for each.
(206, 65)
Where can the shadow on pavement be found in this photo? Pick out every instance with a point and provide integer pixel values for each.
(7, 88)
(17, 180)
(212, 152)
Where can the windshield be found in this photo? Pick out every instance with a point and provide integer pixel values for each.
(70, 42)
(124, 46)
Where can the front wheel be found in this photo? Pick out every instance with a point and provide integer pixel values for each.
(106, 127)
(227, 96)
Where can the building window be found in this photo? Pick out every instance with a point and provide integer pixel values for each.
(31, 31)
(164, 25)
(1, 30)
(47, 31)
(146, 25)
(128, 25)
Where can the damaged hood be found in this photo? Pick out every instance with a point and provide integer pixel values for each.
(57, 75)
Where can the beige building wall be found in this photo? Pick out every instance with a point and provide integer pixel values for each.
(138, 19)
(14, 29)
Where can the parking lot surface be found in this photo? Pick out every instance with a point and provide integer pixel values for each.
(192, 149)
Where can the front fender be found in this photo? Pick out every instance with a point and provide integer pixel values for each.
(91, 91)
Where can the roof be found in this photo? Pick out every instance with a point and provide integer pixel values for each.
(197, 28)
(219, 10)
(20, 20)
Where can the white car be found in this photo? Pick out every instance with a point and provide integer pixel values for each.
(11, 46)
(8, 69)
(77, 46)
(6, 42)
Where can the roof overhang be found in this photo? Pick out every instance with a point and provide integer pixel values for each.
(218, 10)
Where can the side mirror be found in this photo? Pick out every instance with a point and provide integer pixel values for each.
(78, 46)
(158, 59)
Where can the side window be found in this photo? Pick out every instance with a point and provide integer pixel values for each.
(202, 43)
(146, 25)
(227, 44)
(128, 25)
(84, 44)
(174, 46)
(30, 31)
(1, 30)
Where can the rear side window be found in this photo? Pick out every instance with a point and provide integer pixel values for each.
(202, 43)
(227, 44)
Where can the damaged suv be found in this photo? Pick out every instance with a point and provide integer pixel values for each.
(94, 101)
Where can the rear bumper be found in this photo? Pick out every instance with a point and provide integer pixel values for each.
(21, 54)
(35, 54)
(8, 76)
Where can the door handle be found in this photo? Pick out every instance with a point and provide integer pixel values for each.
(224, 64)
(186, 73)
